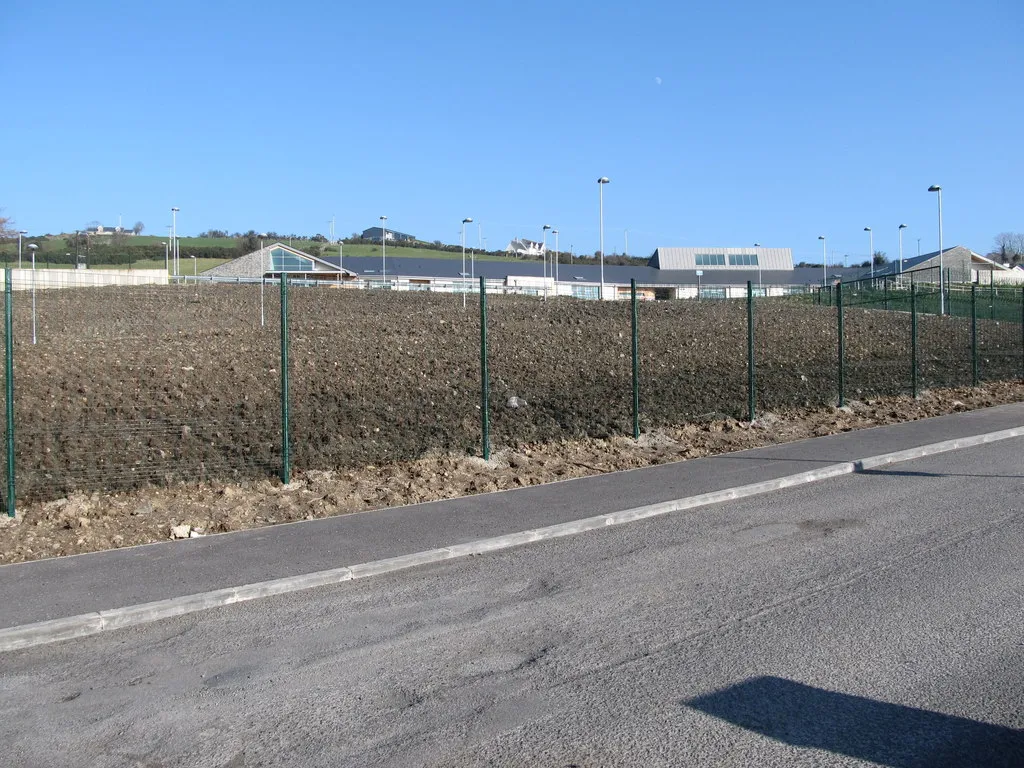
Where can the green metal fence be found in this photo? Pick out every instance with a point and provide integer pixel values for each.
(111, 389)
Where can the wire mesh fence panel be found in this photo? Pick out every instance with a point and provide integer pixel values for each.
(944, 346)
(795, 348)
(1000, 344)
(693, 360)
(126, 386)
(559, 369)
(877, 350)
(380, 376)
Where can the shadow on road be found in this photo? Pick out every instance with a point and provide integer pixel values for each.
(905, 473)
(866, 729)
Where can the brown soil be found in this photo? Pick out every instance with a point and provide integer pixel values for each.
(85, 522)
(131, 388)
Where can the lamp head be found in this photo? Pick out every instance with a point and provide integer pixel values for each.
(22, 231)
(902, 226)
(821, 237)
(175, 209)
(546, 227)
(603, 180)
(32, 246)
(934, 188)
(468, 220)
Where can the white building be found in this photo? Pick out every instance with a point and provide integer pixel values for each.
(521, 247)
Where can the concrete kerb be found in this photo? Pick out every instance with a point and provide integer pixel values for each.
(43, 632)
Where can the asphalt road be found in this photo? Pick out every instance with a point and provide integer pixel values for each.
(873, 619)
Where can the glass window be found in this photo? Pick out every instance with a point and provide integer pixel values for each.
(710, 259)
(743, 259)
(286, 261)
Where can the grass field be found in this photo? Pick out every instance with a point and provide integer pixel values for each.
(397, 251)
(186, 265)
(59, 245)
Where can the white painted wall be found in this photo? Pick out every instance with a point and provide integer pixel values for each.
(22, 279)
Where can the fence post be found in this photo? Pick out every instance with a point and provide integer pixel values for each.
(974, 335)
(913, 341)
(992, 295)
(751, 370)
(636, 362)
(485, 420)
(286, 461)
(885, 293)
(842, 350)
(9, 387)
(1022, 333)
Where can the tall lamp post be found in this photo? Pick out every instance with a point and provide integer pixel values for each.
(20, 233)
(32, 249)
(757, 256)
(174, 237)
(465, 221)
(942, 295)
(544, 255)
(263, 278)
(900, 230)
(555, 233)
(600, 185)
(871, 249)
(384, 249)
(824, 260)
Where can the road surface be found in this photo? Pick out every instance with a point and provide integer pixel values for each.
(872, 619)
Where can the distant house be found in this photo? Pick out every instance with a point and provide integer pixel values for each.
(374, 233)
(102, 231)
(521, 247)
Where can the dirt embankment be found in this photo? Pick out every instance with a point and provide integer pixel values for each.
(85, 522)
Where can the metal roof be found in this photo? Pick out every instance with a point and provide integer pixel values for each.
(590, 272)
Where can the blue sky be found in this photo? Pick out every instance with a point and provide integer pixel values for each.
(719, 123)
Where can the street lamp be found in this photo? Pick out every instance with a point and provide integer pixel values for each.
(900, 230)
(942, 296)
(174, 237)
(263, 278)
(544, 255)
(465, 221)
(600, 186)
(32, 247)
(871, 249)
(384, 249)
(757, 256)
(555, 233)
(824, 271)
(20, 233)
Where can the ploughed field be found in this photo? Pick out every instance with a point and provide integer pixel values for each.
(127, 387)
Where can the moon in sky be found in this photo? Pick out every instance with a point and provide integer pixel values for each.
(657, 80)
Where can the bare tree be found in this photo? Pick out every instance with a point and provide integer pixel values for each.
(138, 228)
(1009, 246)
(7, 228)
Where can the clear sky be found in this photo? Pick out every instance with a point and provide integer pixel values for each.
(719, 123)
